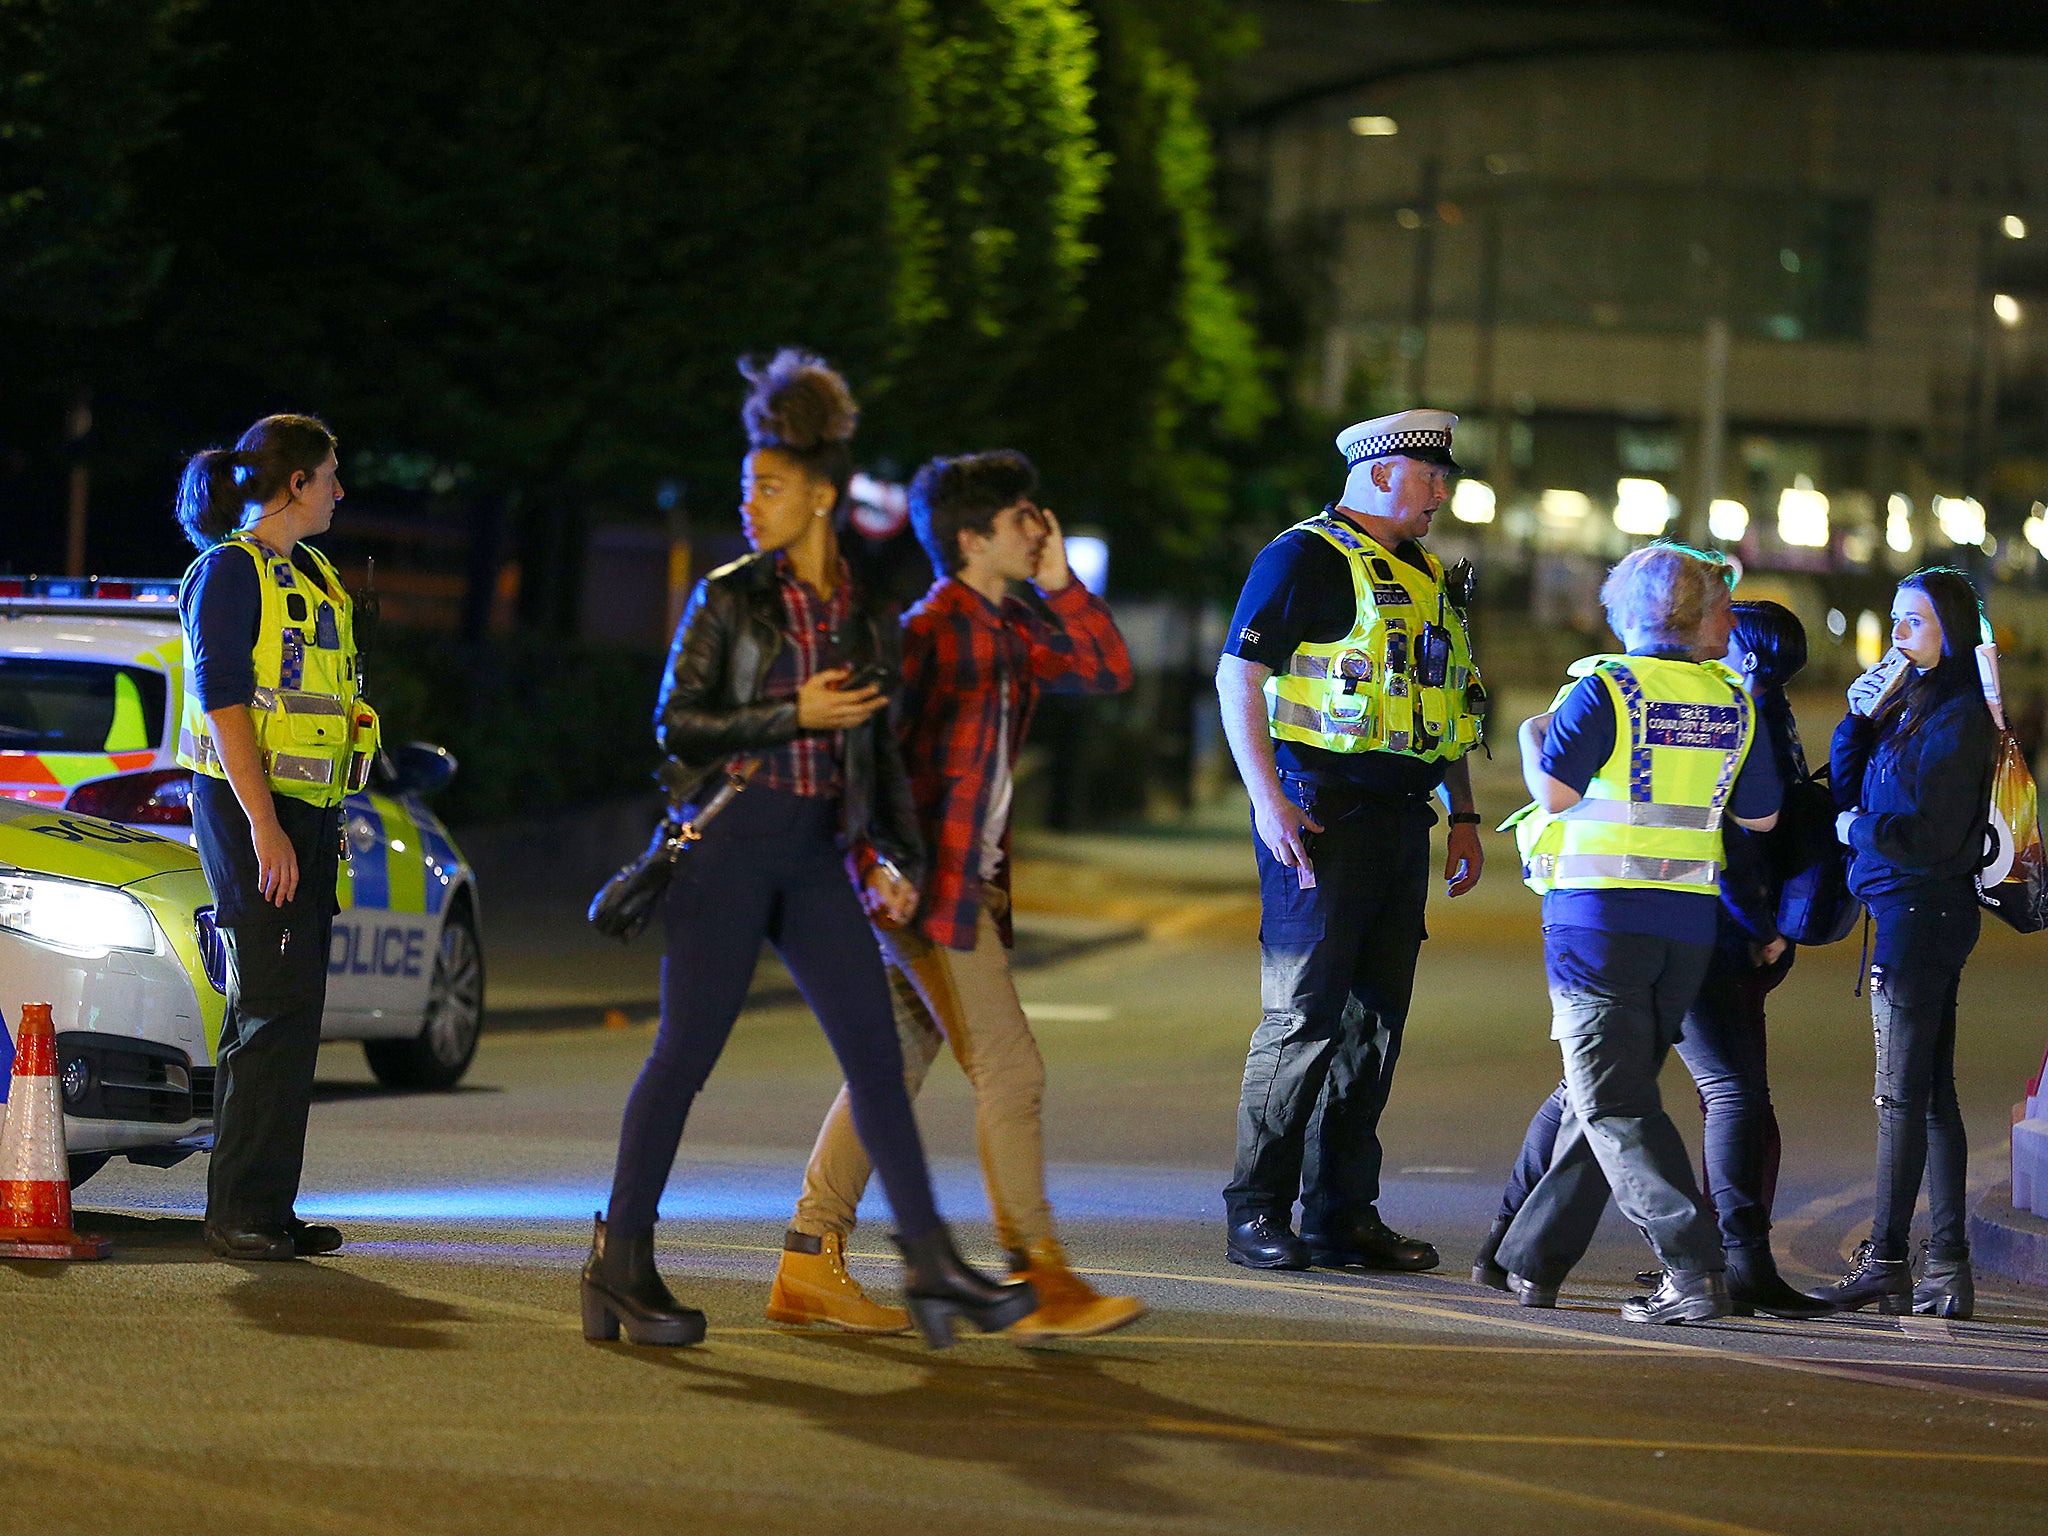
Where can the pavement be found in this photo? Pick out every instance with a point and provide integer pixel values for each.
(432, 1377)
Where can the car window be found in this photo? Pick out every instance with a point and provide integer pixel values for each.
(47, 705)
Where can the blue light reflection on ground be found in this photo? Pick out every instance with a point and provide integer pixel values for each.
(765, 1192)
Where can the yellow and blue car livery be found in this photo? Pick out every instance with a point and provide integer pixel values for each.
(91, 689)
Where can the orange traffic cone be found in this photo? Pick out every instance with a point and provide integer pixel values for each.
(35, 1178)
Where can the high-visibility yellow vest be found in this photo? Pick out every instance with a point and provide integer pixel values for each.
(1365, 692)
(316, 734)
(1651, 818)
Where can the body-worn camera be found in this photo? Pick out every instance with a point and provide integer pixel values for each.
(1433, 656)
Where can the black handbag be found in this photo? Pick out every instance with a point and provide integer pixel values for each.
(624, 904)
(1815, 906)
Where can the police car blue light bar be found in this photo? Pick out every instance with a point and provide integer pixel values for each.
(89, 593)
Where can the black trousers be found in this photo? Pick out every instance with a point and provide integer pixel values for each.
(1336, 974)
(277, 992)
(768, 869)
(1916, 969)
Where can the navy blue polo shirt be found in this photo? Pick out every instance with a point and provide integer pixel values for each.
(1580, 740)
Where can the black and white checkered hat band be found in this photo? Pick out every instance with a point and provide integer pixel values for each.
(1394, 442)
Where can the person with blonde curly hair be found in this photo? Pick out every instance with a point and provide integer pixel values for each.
(781, 669)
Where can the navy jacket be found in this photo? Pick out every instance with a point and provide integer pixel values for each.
(1926, 793)
(1751, 882)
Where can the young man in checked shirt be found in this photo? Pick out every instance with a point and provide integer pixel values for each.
(974, 662)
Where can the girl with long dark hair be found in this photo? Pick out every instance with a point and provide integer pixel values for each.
(1912, 765)
(779, 657)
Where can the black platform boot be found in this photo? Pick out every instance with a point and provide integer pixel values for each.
(1946, 1287)
(1754, 1285)
(621, 1287)
(1486, 1266)
(939, 1288)
(1888, 1282)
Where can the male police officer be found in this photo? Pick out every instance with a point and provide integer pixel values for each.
(1349, 697)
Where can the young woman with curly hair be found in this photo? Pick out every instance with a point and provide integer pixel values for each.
(776, 658)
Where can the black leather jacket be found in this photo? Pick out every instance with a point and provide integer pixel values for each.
(711, 709)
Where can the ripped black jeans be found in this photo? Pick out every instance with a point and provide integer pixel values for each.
(1916, 966)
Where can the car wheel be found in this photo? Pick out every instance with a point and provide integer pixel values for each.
(440, 1053)
(85, 1164)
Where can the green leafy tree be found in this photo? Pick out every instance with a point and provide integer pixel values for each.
(1133, 407)
(83, 92)
(998, 177)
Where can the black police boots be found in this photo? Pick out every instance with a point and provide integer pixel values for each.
(1754, 1285)
(622, 1289)
(1266, 1242)
(310, 1240)
(1888, 1282)
(1369, 1243)
(1946, 1287)
(258, 1243)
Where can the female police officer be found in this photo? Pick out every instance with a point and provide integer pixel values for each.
(273, 729)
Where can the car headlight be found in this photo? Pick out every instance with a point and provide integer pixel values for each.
(72, 915)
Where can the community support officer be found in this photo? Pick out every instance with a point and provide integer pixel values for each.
(1349, 697)
(1633, 772)
(274, 729)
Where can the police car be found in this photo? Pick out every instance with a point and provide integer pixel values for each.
(91, 684)
(108, 925)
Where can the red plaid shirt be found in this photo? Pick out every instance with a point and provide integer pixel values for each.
(959, 652)
(808, 764)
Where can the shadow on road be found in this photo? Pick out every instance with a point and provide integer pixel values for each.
(347, 1093)
(1061, 1424)
(313, 1301)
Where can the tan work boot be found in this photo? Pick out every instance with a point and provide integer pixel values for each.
(1068, 1307)
(813, 1287)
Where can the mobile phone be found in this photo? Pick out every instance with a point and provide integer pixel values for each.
(873, 675)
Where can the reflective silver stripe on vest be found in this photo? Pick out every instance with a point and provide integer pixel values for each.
(302, 769)
(1317, 667)
(200, 748)
(296, 703)
(1637, 813)
(1634, 866)
(1287, 712)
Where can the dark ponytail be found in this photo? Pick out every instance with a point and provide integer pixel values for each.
(219, 483)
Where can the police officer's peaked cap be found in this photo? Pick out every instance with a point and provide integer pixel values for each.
(1424, 435)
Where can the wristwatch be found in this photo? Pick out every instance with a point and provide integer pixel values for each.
(1464, 818)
